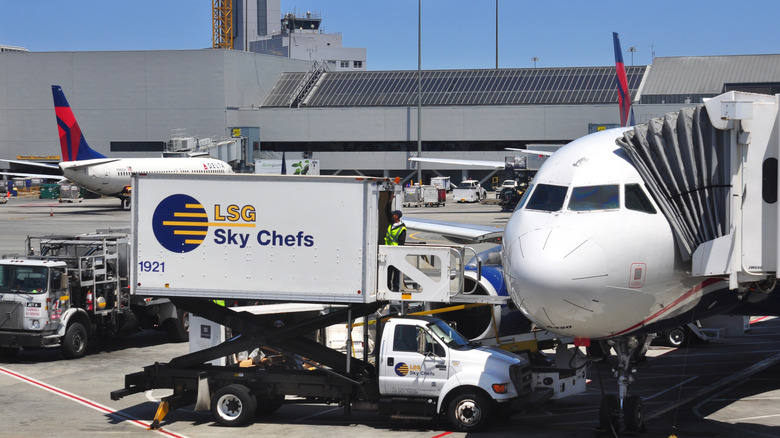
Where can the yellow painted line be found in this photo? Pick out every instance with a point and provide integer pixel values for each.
(205, 224)
(190, 215)
(190, 233)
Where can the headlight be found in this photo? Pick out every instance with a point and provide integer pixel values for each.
(35, 324)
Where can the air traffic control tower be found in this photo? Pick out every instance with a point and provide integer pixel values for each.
(259, 27)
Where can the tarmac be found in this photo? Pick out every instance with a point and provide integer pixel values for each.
(726, 387)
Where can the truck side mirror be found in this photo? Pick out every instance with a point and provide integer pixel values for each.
(64, 281)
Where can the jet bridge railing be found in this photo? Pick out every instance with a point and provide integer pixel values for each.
(428, 273)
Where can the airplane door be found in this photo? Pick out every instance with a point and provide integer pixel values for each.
(406, 370)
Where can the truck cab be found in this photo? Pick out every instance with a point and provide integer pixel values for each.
(423, 359)
(33, 296)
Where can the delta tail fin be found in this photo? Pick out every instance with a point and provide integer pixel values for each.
(624, 96)
(74, 146)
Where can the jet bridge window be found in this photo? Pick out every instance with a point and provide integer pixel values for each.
(637, 200)
(590, 198)
(547, 197)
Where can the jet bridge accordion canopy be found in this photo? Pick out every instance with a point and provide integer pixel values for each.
(685, 163)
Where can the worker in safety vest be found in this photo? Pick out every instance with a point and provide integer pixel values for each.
(396, 235)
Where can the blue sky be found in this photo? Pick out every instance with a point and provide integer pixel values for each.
(457, 34)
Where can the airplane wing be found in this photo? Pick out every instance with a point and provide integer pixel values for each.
(32, 163)
(87, 163)
(33, 175)
(491, 164)
(531, 151)
(457, 232)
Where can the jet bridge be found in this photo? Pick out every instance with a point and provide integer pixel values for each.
(713, 170)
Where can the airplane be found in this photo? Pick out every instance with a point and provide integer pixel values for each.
(108, 176)
(590, 253)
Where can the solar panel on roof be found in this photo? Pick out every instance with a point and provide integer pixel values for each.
(589, 85)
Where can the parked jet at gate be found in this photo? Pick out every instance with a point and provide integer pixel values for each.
(588, 253)
(111, 176)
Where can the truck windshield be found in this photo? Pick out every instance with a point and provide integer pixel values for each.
(447, 334)
(23, 279)
(465, 185)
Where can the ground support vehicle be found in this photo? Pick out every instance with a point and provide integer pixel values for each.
(469, 191)
(71, 290)
(69, 192)
(442, 182)
(413, 196)
(433, 196)
(419, 367)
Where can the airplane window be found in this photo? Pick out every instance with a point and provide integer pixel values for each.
(547, 197)
(525, 197)
(637, 200)
(589, 198)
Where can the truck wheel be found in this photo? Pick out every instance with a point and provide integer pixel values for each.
(178, 328)
(269, 405)
(469, 412)
(233, 405)
(74, 343)
(676, 337)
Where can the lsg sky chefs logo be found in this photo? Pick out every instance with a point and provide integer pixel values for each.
(181, 224)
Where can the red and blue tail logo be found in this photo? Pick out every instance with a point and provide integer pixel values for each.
(74, 146)
(624, 96)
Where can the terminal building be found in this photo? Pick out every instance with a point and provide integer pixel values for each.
(352, 120)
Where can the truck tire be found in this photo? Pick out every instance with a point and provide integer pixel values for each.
(469, 411)
(676, 337)
(233, 405)
(74, 343)
(178, 328)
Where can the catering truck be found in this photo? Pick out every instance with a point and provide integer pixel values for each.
(67, 290)
(318, 239)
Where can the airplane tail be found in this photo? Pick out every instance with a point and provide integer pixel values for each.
(72, 143)
(624, 96)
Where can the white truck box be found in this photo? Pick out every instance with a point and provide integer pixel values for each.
(259, 237)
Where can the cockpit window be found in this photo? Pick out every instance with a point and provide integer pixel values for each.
(589, 198)
(637, 200)
(547, 197)
(525, 197)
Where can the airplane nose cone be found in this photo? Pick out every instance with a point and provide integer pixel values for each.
(556, 277)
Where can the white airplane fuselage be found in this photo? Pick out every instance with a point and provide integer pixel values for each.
(112, 176)
(585, 255)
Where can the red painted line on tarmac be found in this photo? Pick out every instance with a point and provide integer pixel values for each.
(441, 435)
(85, 402)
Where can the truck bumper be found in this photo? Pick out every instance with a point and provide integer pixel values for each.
(530, 401)
(29, 339)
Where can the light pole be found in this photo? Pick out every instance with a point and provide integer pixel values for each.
(419, 90)
(534, 59)
(632, 49)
